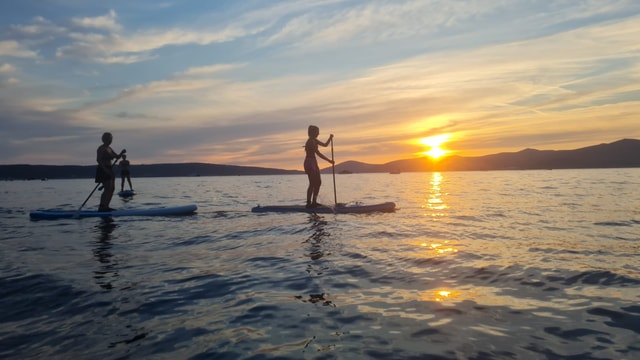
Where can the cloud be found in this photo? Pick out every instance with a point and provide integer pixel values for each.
(39, 31)
(103, 39)
(7, 68)
(378, 22)
(7, 72)
(117, 45)
(11, 48)
(106, 22)
(12, 81)
(211, 69)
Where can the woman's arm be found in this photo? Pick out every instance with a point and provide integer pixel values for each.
(323, 157)
(325, 144)
(106, 162)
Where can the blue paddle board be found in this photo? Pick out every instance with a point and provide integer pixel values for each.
(340, 209)
(161, 211)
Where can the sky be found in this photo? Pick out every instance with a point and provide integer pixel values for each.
(238, 82)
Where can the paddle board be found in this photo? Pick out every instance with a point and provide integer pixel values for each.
(340, 209)
(126, 193)
(60, 214)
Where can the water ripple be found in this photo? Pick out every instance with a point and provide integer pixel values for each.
(482, 265)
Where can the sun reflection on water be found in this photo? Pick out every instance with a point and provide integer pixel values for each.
(443, 295)
(439, 249)
(435, 202)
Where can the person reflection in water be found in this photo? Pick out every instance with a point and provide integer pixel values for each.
(311, 164)
(316, 239)
(317, 266)
(107, 271)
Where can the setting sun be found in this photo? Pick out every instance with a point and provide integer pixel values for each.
(434, 143)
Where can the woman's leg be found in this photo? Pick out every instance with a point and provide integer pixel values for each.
(309, 190)
(317, 181)
(104, 197)
(107, 193)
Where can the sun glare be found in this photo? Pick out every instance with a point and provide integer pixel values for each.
(434, 143)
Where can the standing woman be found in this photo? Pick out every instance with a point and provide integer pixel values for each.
(311, 165)
(104, 171)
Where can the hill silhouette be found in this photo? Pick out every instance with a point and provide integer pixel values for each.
(31, 172)
(619, 154)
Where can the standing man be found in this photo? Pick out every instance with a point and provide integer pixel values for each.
(124, 172)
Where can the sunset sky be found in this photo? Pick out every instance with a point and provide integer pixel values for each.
(238, 82)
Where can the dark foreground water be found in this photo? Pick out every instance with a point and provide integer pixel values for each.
(473, 265)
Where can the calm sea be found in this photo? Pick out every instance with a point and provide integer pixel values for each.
(473, 265)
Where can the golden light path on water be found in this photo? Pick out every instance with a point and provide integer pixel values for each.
(442, 288)
(435, 203)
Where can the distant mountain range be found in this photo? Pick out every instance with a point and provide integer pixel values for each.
(619, 154)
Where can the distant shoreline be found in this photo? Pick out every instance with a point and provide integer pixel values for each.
(288, 172)
(36, 172)
(623, 153)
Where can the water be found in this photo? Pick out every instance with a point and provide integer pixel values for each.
(473, 265)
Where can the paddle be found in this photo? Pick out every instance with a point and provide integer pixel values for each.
(96, 188)
(333, 168)
(87, 199)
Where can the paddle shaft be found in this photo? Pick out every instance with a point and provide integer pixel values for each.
(333, 168)
(89, 197)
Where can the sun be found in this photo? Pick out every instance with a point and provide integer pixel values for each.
(434, 143)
